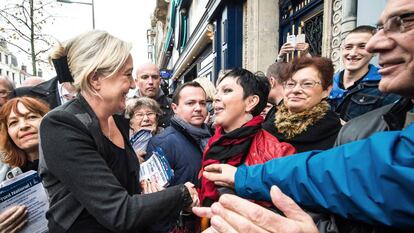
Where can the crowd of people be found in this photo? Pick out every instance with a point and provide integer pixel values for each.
(300, 149)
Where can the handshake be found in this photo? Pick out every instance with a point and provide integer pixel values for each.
(148, 187)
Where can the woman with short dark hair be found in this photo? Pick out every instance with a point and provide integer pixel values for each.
(239, 137)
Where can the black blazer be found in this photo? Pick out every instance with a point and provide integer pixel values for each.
(75, 173)
(46, 91)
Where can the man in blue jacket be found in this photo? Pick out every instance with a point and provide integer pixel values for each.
(355, 89)
(183, 141)
(370, 180)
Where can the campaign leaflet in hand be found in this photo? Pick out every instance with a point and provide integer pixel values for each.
(140, 139)
(26, 189)
(156, 169)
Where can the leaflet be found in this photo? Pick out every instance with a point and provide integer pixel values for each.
(140, 139)
(156, 169)
(26, 189)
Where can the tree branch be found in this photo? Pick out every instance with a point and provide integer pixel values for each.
(17, 46)
(21, 34)
(44, 19)
(42, 51)
(17, 19)
(42, 6)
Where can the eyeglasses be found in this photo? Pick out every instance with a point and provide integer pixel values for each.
(307, 84)
(4, 93)
(149, 115)
(398, 23)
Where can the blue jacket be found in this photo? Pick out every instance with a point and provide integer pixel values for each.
(183, 155)
(370, 180)
(362, 98)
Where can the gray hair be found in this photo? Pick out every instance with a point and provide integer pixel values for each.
(140, 102)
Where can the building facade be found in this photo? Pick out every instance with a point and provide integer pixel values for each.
(9, 66)
(198, 38)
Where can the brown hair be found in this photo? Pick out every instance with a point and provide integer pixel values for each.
(13, 155)
(323, 65)
(363, 29)
(280, 71)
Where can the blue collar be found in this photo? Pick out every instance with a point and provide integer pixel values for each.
(338, 92)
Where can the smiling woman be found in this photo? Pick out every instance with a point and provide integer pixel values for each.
(20, 119)
(239, 137)
(96, 169)
(304, 119)
(19, 141)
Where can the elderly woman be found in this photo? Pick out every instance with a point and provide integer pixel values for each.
(143, 113)
(87, 164)
(239, 138)
(305, 119)
(20, 119)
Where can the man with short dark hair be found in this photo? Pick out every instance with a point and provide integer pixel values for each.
(148, 81)
(184, 140)
(355, 89)
(276, 73)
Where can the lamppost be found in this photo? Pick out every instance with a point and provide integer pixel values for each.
(84, 3)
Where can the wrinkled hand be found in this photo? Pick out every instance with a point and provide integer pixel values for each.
(194, 195)
(234, 214)
(148, 186)
(13, 219)
(220, 174)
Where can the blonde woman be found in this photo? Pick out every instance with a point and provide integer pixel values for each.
(86, 161)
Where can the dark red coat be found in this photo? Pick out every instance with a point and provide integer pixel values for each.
(264, 147)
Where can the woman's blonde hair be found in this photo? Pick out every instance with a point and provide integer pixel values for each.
(207, 85)
(92, 53)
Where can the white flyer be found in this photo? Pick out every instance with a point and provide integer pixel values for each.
(156, 169)
(26, 189)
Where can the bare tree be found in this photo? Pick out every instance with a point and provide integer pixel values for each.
(22, 22)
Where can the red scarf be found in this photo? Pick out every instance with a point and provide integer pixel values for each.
(231, 148)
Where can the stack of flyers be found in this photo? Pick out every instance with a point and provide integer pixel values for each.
(140, 139)
(156, 169)
(26, 189)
